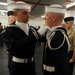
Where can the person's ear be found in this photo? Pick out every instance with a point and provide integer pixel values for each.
(54, 18)
(15, 12)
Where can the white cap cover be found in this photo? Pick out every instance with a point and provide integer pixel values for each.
(21, 5)
(56, 8)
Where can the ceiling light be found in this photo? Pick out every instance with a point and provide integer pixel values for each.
(43, 16)
(3, 10)
(2, 3)
(2, 13)
(70, 5)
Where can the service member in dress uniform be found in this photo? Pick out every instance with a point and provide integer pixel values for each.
(55, 59)
(11, 21)
(20, 40)
(71, 34)
(11, 16)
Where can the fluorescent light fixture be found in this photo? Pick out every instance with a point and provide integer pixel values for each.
(2, 3)
(43, 16)
(70, 5)
(3, 10)
(2, 13)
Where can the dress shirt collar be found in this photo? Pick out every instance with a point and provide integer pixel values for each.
(23, 26)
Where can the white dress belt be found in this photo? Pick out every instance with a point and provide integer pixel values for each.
(20, 60)
(49, 68)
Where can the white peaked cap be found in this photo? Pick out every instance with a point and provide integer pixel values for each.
(9, 8)
(21, 5)
(56, 8)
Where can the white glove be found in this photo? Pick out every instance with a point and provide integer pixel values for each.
(42, 30)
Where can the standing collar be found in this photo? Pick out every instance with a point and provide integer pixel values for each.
(53, 28)
(20, 23)
(24, 26)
